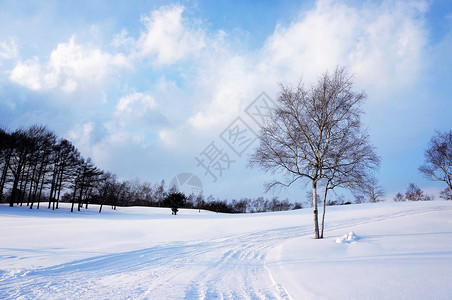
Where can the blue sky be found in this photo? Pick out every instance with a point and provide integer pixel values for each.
(146, 88)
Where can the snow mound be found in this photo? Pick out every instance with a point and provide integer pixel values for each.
(347, 238)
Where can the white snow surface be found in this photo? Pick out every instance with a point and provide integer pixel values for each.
(386, 251)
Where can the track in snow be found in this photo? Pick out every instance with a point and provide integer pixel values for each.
(224, 268)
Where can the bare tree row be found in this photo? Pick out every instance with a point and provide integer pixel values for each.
(36, 165)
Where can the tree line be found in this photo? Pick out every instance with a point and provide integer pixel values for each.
(38, 167)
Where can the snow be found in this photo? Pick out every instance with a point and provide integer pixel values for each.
(385, 251)
(347, 238)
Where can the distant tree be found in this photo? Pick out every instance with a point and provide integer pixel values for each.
(438, 159)
(22, 148)
(87, 176)
(199, 202)
(175, 201)
(66, 162)
(190, 202)
(399, 197)
(446, 194)
(315, 134)
(106, 189)
(146, 192)
(297, 205)
(258, 205)
(43, 141)
(160, 193)
(372, 190)
(340, 200)
(280, 205)
(359, 199)
(240, 206)
(414, 193)
(6, 150)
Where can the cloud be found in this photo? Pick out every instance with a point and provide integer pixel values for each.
(226, 83)
(135, 104)
(138, 110)
(168, 36)
(8, 50)
(168, 137)
(80, 135)
(28, 74)
(123, 40)
(118, 142)
(71, 66)
(383, 45)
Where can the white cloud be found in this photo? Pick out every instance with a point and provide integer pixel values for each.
(389, 54)
(135, 105)
(313, 43)
(168, 36)
(227, 84)
(71, 66)
(8, 49)
(80, 135)
(135, 119)
(123, 40)
(382, 45)
(168, 137)
(28, 74)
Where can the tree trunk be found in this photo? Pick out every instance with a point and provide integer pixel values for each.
(323, 213)
(40, 188)
(59, 187)
(316, 212)
(53, 183)
(23, 186)
(3, 179)
(14, 192)
(30, 192)
(73, 196)
(80, 197)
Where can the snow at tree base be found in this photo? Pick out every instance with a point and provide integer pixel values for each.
(370, 251)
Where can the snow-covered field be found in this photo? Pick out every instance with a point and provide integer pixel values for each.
(398, 251)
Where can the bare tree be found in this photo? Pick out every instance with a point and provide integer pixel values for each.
(414, 193)
(371, 190)
(446, 194)
(21, 146)
(66, 161)
(399, 197)
(438, 159)
(5, 156)
(315, 134)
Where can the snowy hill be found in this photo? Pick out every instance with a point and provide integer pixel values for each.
(397, 251)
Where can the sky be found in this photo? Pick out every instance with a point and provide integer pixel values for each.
(153, 89)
